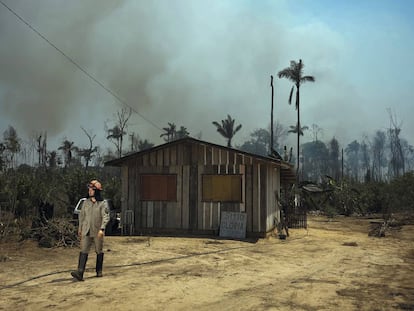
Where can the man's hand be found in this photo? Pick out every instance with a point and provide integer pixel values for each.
(100, 234)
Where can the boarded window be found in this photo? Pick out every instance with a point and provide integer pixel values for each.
(159, 187)
(222, 188)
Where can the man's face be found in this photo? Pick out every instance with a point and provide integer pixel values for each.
(91, 191)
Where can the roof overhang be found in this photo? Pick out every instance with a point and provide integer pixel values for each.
(122, 160)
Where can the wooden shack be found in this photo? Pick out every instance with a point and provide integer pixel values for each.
(183, 187)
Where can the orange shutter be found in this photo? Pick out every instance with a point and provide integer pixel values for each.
(159, 187)
(222, 188)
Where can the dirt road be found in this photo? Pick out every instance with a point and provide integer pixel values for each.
(334, 265)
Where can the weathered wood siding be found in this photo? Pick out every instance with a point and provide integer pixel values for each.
(189, 161)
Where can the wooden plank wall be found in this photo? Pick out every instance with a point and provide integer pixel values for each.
(213, 160)
(273, 188)
(189, 162)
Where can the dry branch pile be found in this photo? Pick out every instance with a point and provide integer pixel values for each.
(55, 232)
(377, 229)
(393, 222)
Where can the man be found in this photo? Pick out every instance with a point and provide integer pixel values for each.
(93, 218)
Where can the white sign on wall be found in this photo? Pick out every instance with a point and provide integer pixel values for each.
(233, 225)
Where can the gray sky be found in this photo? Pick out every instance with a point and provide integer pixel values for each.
(192, 62)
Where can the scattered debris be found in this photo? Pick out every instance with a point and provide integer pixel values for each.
(350, 244)
(4, 258)
(56, 232)
(378, 228)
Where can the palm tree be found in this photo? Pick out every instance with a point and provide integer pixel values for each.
(170, 132)
(227, 129)
(53, 159)
(294, 73)
(294, 129)
(67, 147)
(87, 154)
(144, 144)
(115, 135)
(12, 143)
(182, 133)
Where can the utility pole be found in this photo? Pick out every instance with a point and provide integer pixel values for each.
(342, 167)
(271, 117)
(131, 137)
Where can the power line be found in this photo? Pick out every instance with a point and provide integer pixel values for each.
(119, 99)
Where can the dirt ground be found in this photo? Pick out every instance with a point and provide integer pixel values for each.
(333, 265)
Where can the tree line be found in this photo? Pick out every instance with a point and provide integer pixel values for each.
(31, 174)
(382, 157)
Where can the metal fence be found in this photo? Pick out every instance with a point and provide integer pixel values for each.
(296, 216)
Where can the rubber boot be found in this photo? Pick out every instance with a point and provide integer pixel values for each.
(99, 264)
(78, 274)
